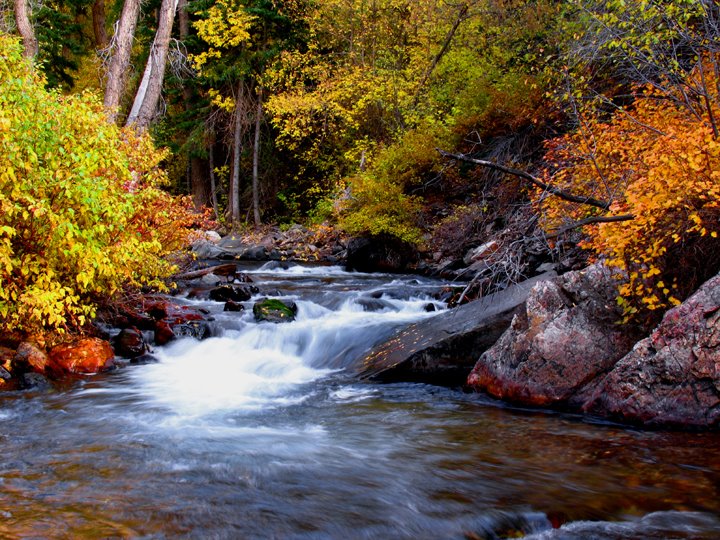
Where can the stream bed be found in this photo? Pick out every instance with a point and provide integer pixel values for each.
(259, 433)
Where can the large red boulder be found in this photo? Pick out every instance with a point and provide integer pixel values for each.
(566, 337)
(82, 356)
(671, 378)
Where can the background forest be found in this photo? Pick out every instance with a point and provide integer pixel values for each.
(589, 119)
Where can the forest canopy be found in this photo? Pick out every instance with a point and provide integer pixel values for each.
(287, 111)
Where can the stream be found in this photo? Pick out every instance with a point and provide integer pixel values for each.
(259, 433)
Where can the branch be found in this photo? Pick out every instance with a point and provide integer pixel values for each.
(565, 195)
(589, 221)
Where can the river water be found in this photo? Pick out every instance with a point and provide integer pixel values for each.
(258, 433)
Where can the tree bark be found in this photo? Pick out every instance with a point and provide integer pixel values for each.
(148, 95)
(256, 160)
(121, 48)
(98, 18)
(213, 183)
(25, 28)
(237, 148)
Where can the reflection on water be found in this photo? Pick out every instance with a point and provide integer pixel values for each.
(246, 436)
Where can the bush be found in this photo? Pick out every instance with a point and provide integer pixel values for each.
(658, 162)
(81, 212)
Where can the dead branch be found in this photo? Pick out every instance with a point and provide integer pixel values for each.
(589, 221)
(565, 195)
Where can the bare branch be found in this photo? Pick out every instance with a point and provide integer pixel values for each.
(565, 195)
(589, 221)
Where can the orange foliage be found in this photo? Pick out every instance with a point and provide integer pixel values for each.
(660, 163)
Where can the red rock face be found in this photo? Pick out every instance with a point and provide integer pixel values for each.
(671, 378)
(566, 339)
(83, 356)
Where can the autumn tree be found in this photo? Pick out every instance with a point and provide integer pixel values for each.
(82, 214)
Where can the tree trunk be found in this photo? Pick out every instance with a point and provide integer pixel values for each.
(462, 15)
(98, 18)
(256, 160)
(237, 148)
(198, 182)
(25, 28)
(213, 183)
(148, 95)
(121, 47)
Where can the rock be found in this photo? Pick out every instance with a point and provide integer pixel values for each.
(130, 343)
(232, 292)
(83, 356)
(35, 381)
(171, 312)
(5, 375)
(29, 357)
(195, 329)
(374, 304)
(671, 378)
(547, 267)
(163, 333)
(429, 308)
(212, 236)
(205, 249)
(443, 349)
(255, 253)
(233, 306)
(275, 311)
(380, 253)
(480, 252)
(144, 359)
(566, 336)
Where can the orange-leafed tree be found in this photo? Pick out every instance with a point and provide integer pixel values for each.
(658, 162)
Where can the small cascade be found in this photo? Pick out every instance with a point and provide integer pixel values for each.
(255, 365)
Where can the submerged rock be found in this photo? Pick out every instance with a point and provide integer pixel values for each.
(671, 378)
(443, 349)
(275, 311)
(35, 381)
(565, 338)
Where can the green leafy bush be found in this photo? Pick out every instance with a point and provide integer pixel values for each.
(81, 214)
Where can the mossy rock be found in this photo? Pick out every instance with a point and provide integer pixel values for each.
(273, 310)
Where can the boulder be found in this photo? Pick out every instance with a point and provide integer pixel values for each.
(566, 336)
(275, 311)
(163, 333)
(671, 378)
(30, 358)
(380, 253)
(233, 306)
(82, 356)
(444, 348)
(130, 343)
(232, 292)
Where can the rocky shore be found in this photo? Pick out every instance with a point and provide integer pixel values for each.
(552, 341)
